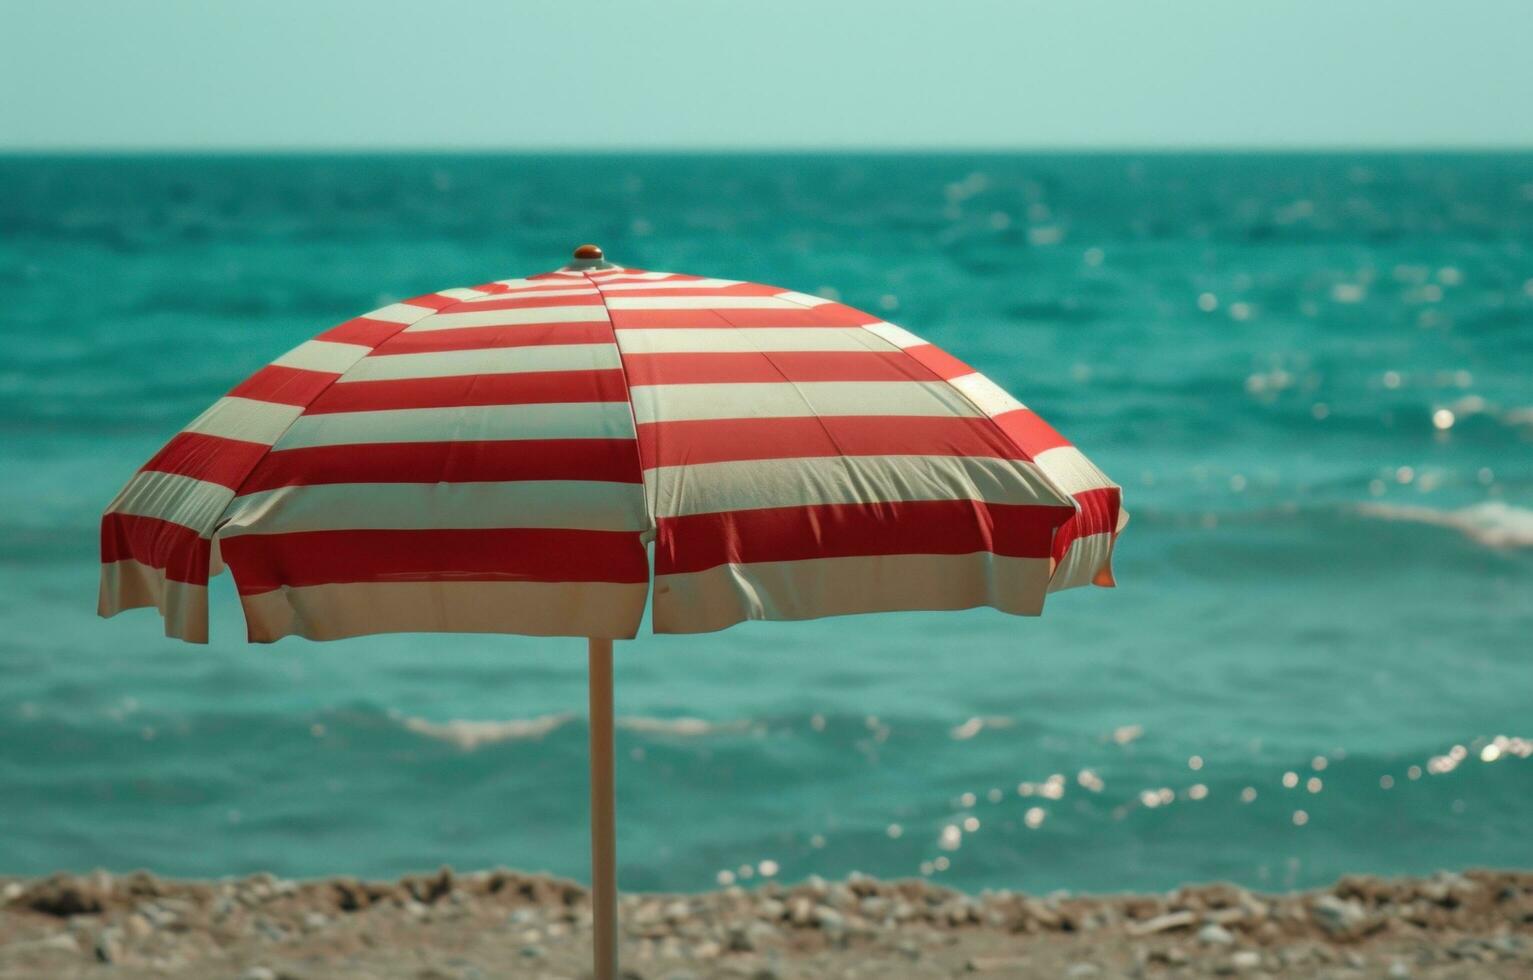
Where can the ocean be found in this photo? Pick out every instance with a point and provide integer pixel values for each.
(1311, 374)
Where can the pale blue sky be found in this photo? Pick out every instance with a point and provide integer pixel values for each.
(471, 74)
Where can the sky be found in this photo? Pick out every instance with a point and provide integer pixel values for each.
(781, 74)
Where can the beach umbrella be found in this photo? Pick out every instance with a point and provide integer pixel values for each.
(501, 458)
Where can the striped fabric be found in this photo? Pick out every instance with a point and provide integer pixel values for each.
(496, 459)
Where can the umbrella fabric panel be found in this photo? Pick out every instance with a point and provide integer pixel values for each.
(803, 458)
(157, 534)
(476, 472)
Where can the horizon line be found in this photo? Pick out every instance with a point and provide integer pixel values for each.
(1209, 149)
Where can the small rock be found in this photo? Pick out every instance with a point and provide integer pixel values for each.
(259, 973)
(1170, 956)
(828, 919)
(1083, 970)
(1339, 917)
(109, 946)
(677, 911)
(1214, 934)
(1246, 959)
(1399, 971)
(1162, 923)
(875, 906)
(708, 950)
(532, 952)
(801, 911)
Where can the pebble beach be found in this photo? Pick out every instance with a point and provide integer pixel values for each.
(492, 924)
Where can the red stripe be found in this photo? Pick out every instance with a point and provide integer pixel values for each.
(177, 549)
(927, 527)
(525, 388)
(722, 440)
(486, 338)
(609, 460)
(1098, 514)
(368, 333)
(284, 385)
(693, 368)
(938, 361)
(1029, 431)
(211, 458)
(830, 315)
(433, 301)
(263, 562)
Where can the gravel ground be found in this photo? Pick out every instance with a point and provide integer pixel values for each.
(504, 924)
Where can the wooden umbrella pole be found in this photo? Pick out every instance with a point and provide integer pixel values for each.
(603, 815)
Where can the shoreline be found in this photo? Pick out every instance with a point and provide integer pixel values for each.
(490, 924)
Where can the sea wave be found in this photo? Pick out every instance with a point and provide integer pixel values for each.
(469, 735)
(1493, 523)
(684, 727)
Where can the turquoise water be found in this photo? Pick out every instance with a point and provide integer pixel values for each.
(1312, 375)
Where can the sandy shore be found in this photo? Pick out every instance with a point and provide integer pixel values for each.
(504, 924)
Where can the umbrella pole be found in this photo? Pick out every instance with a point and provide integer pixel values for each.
(603, 815)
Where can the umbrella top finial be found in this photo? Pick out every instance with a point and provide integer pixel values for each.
(588, 251)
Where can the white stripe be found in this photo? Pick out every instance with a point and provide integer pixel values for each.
(245, 419)
(702, 303)
(463, 293)
(627, 286)
(898, 336)
(1070, 470)
(487, 297)
(524, 285)
(322, 355)
(564, 420)
(172, 497)
(672, 403)
(991, 398)
(725, 340)
(631, 275)
(750, 484)
(1086, 557)
(586, 313)
(399, 313)
(578, 504)
(699, 602)
(129, 584)
(804, 299)
(331, 612)
(492, 360)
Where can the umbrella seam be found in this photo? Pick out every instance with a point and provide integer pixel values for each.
(649, 505)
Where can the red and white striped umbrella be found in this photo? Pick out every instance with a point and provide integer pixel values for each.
(498, 458)
(495, 459)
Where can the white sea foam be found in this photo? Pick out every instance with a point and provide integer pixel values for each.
(1494, 524)
(974, 726)
(469, 735)
(685, 727)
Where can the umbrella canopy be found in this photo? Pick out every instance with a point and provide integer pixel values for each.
(498, 458)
